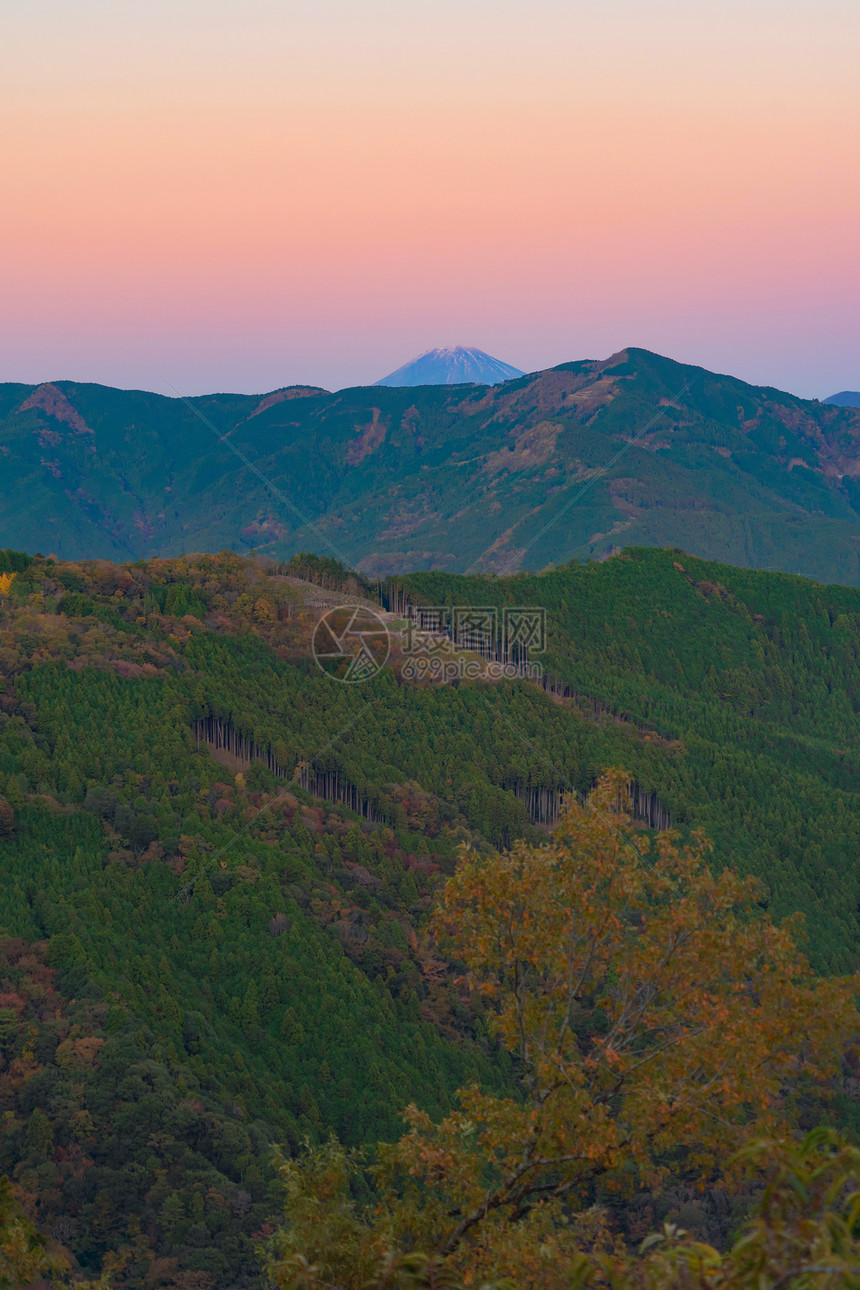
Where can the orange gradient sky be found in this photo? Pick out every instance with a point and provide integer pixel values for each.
(241, 196)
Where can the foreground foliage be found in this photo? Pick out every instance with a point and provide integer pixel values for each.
(805, 1234)
(654, 1022)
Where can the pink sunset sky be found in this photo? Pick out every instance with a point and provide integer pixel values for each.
(225, 195)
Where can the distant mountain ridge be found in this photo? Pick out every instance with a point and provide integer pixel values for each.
(844, 399)
(571, 463)
(452, 365)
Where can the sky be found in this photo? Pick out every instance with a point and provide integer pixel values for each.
(208, 195)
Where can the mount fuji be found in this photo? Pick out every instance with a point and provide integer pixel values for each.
(453, 365)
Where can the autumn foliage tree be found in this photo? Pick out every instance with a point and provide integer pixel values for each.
(655, 1016)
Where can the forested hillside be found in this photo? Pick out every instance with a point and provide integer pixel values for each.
(574, 462)
(202, 956)
(737, 695)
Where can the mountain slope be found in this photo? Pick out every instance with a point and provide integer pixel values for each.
(569, 463)
(453, 365)
(217, 863)
(845, 399)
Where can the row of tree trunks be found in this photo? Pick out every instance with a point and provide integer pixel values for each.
(329, 785)
(395, 599)
(544, 804)
(647, 806)
(223, 734)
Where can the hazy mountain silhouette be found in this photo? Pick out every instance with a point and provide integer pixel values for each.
(845, 399)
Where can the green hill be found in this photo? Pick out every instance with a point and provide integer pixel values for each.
(574, 462)
(205, 951)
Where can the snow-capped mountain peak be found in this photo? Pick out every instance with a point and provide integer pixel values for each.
(452, 365)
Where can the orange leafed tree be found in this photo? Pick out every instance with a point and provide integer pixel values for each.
(654, 1014)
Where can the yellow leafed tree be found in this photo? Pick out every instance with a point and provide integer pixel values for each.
(655, 1017)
